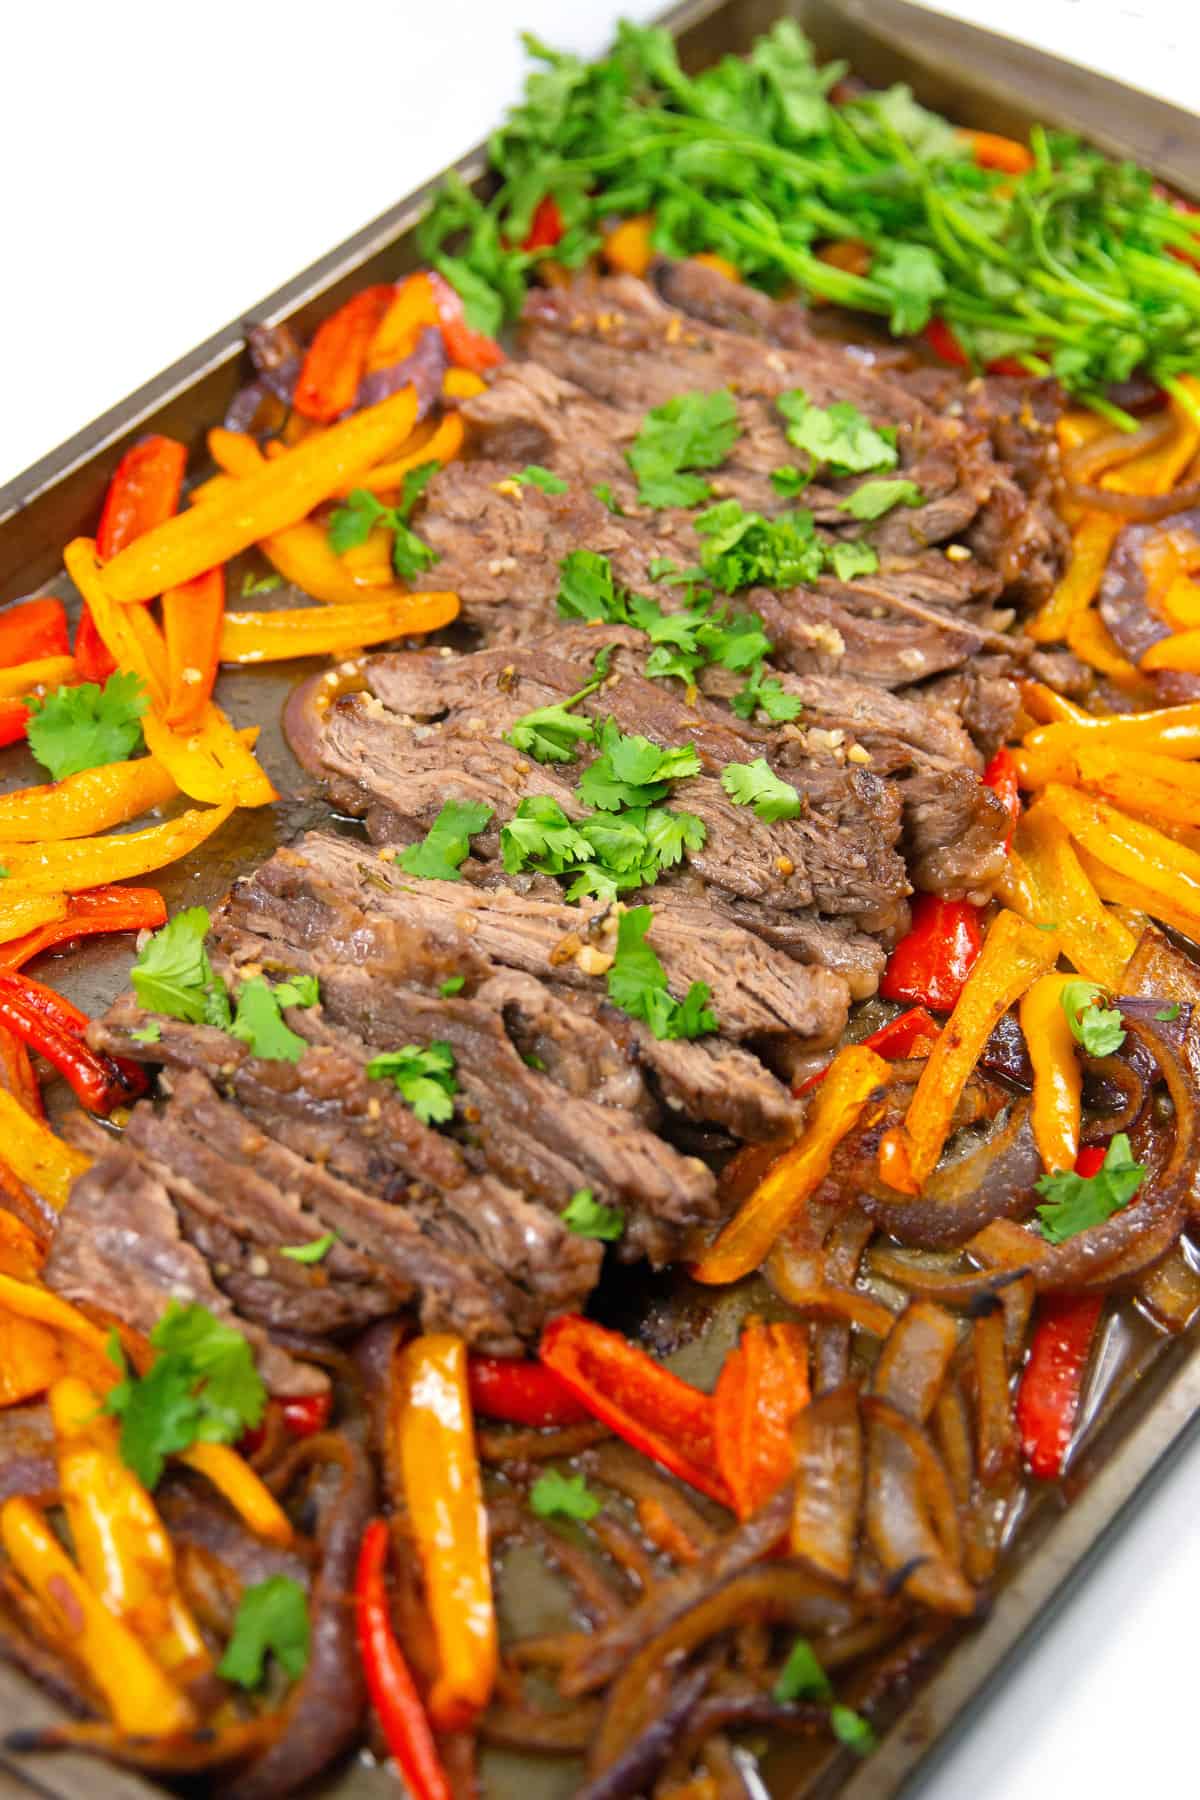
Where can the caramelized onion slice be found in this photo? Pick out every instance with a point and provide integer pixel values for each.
(827, 1437)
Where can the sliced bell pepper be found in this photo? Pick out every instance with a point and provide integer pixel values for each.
(30, 1359)
(306, 1414)
(49, 1025)
(1001, 776)
(441, 446)
(433, 1434)
(762, 1386)
(708, 259)
(92, 658)
(1133, 849)
(389, 1680)
(1052, 1380)
(628, 246)
(932, 961)
(14, 718)
(130, 634)
(1093, 643)
(945, 345)
(910, 1033)
(653, 1410)
(22, 914)
(84, 915)
(29, 1301)
(1057, 1076)
(1180, 604)
(143, 1699)
(80, 805)
(1161, 787)
(16, 1075)
(470, 349)
(855, 1077)
(523, 1393)
(547, 225)
(991, 151)
(45, 1164)
(245, 1491)
(331, 370)
(211, 761)
(332, 630)
(94, 862)
(1014, 954)
(1048, 753)
(143, 492)
(1097, 944)
(37, 676)
(413, 307)
(21, 1255)
(35, 629)
(462, 384)
(191, 617)
(1179, 651)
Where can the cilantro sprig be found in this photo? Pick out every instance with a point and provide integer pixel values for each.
(803, 1678)
(424, 1078)
(688, 432)
(534, 475)
(271, 1620)
(173, 975)
(838, 438)
(1073, 1203)
(742, 549)
(756, 784)
(558, 1496)
(75, 728)
(1097, 1027)
(871, 499)
(637, 983)
(588, 1217)
(447, 843)
(353, 522)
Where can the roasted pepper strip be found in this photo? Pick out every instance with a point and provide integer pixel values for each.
(28, 1301)
(546, 227)
(55, 1029)
(991, 151)
(332, 630)
(1057, 1076)
(122, 1547)
(1001, 776)
(14, 718)
(331, 371)
(389, 1681)
(413, 307)
(931, 962)
(94, 862)
(142, 1698)
(36, 676)
(45, 1164)
(92, 659)
(245, 1491)
(1014, 954)
(23, 914)
(84, 915)
(1048, 754)
(910, 1033)
(470, 349)
(211, 761)
(762, 1386)
(855, 1077)
(281, 494)
(130, 634)
(80, 805)
(29, 1356)
(523, 1393)
(192, 616)
(1123, 891)
(442, 446)
(1052, 1380)
(433, 1434)
(1179, 651)
(652, 1409)
(627, 246)
(16, 1075)
(143, 492)
(1135, 850)
(35, 629)
(1162, 787)
(1097, 944)
(1180, 604)
(1093, 643)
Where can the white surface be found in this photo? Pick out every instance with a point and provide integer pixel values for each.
(165, 168)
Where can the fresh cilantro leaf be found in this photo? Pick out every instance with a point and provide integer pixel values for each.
(691, 431)
(765, 693)
(312, 1252)
(203, 1387)
(425, 1078)
(742, 549)
(1073, 1202)
(637, 983)
(606, 497)
(790, 481)
(1096, 1026)
(602, 659)
(837, 437)
(755, 784)
(260, 584)
(149, 1034)
(258, 1021)
(272, 1619)
(588, 1217)
(735, 641)
(850, 1728)
(1168, 1013)
(76, 728)
(631, 771)
(352, 522)
(587, 590)
(553, 733)
(911, 278)
(447, 843)
(802, 1677)
(539, 835)
(558, 1496)
(533, 475)
(871, 499)
(453, 984)
(848, 557)
(533, 1061)
(298, 990)
(693, 1016)
(669, 833)
(173, 975)
(410, 556)
(413, 486)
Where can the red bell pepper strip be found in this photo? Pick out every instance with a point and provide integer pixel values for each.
(660, 1415)
(93, 659)
(911, 1033)
(389, 1680)
(1052, 1380)
(16, 1074)
(95, 910)
(331, 371)
(144, 492)
(547, 226)
(763, 1384)
(35, 629)
(14, 717)
(522, 1393)
(192, 616)
(1090, 1160)
(469, 349)
(50, 1025)
(306, 1414)
(1001, 776)
(930, 964)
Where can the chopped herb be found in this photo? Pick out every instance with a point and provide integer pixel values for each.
(75, 728)
(298, 990)
(173, 975)
(850, 557)
(425, 1078)
(260, 584)
(744, 549)
(532, 1060)
(554, 733)
(606, 497)
(1168, 1013)
(637, 983)
(851, 1729)
(447, 843)
(602, 659)
(1073, 1202)
(873, 498)
(272, 1619)
(258, 1020)
(312, 1252)
(588, 1217)
(453, 984)
(533, 475)
(540, 835)
(691, 431)
(755, 784)
(838, 437)
(790, 481)
(587, 590)
(558, 1496)
(1097, 1027)
(631, 771)
(354, 520)
(765, 693)
(802, 1677)
(148, 1034)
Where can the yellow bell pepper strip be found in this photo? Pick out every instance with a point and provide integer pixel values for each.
(211, 762)
(191, 617)
(462, 384)
(279, 495)
(45, 1164)
(21, 1255)
(332, 630)
(1049, 707)
(1162, 787)
(1180, 605)
(249, 1496)
(1097, 944)
(30, 1359)
(1123, 892)
(27, 1300)
(82, 804)
(21, 914)
(141, 1696)
(94, 862)
(1179, 651)
(35, 677)
(627, 246)
(1074, 429)
(855, 1077)
(1093, 643)
(1048, 753)
(1136, 850)
(1091, 542)
(1057, 1076)
(121, 1545)
(432, 1431)
(130, 635)
(441, 446)
(413, 307)
(1014, 955)
(97, 910)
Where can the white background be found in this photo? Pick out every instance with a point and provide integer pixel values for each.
(165, 167)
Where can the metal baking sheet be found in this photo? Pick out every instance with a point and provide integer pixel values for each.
(1148, 1402)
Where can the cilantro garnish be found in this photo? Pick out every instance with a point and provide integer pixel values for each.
(260, 584)
(353, 521)
(558, 1496)
(606, 497)
(554, 733)
(765, 693)
(203, 1387)
(873, 498)
(1168, 1013)
(744, 549)
(691, 431)
(836, 437)
(447, 843)
(587, 589)
(173, 975)
(75, 728)
(1073, 1202)
(756, 784)
(637, 983)
(850, 1728)
(312, 1252)
(425, 1078)
(272, 1619)
(802, 1677)
(631, 771)
(148, 1034)
(1097, 1027)
(789, 481)
(533, 475)
(258, 1020)
(588, 1217)
(453, 984)
(540, 835)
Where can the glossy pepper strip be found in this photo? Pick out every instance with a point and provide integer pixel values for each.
(35, 629)
(932, 961)
(331, 371)
(14, 718)
(94, 862)
(16, 1075)
(141, 1696)
(628, 246)
(522, 1393)
(762, 1386)
(93, 660)
(28, 1301)
(83, 804)
(245, 1491)
(1093, 643)
(991, 151)
(43, 1162)
(85, 915)
(1052, 1380)
(652, 1409)
(22, 914)
(1057, 1076)
(441, 446)
(191, 617)
(1001, 776)
(855, 1077)
(546, 227)
(1098, 944)
(121, 1545)
(434, 1437)
(1014, 954)
(37, 676)
(389, 1681)
(30, 1359)
(469, 349)
(49, 1025)
(143, 492)
(332, 630)
(1133, 849)
(910, 1033)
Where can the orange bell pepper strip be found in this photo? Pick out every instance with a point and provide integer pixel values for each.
(245, 1491)
(279, 495)
(1048, 754)
(84, 915)
(855, 1077)
(1179, 651)
(29, 1301)
(37, 676)
(991, 151)
(143, 1699)
(23, 914)
(628, 246)
(441, 446)
(30, 1359)
(721, 265)
(80, 805)
(213, 762)
(130, 634)
(336, 358)
(35, 629)
(1098, 945)
(43, 1162)
(462, 384)
(1123, 892)
(1180, 604)
(413, 307)
(332, 630)
(16, 1074)
(1057, 1077)
(69, 867)
(21, 1256)
(762, 1386)
(1161, 787)
(1133, 849)
(1014, 954)
(1093, 643)
(92, 658)
(468, 348)
(121, 1545)
(191, 617)
(142, 493)
(433, 1435)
